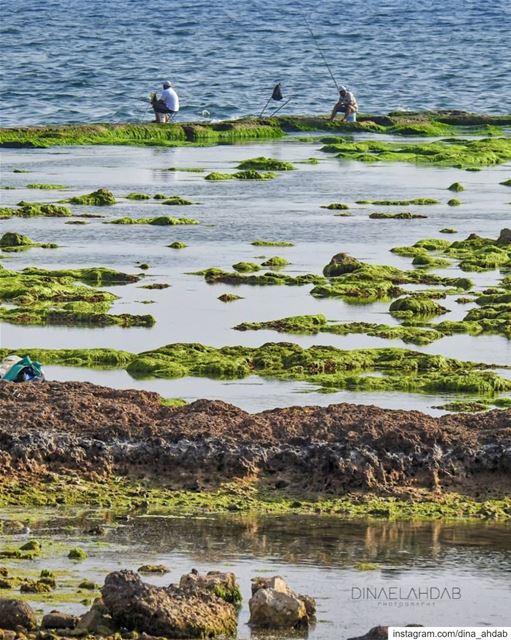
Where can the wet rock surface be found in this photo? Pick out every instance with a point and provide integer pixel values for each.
(274, 605)
(95, 431)
(14, 614)
(171, 611)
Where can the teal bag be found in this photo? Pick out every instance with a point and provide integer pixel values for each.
(25, 367)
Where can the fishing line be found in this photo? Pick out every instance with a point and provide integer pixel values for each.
(321, 53)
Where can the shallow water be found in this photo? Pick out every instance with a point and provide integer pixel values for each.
(71, 61)
(231, 215)
(315, 554)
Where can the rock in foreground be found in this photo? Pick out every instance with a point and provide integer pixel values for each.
(15, 613)
(171, 611)
(275, 606)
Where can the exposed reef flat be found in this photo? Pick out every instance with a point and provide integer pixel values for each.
(443, 123)
(349, 459)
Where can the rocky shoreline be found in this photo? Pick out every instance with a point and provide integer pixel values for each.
(56, 429)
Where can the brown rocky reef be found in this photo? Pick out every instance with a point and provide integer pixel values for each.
(95, 431)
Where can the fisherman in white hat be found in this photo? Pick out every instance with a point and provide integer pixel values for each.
(346, 104)
(167, 105)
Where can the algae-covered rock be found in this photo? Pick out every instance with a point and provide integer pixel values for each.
(77, 553)
(47, 187)
(223, 585)
(15, 613)
(400, 203)
(159, 221)
(11, 239)
(506, 183)
(265, 164)
(275, 262)
(33, 209)
(153, 568)
(454, 202)
(403, 215)
(504, 239)
(339, 264)
(229, 297)
(177, 200)
(138, 196)
(32, 586)
(448, 230)
(246, 267)
(173, 612)
(177, 245)
(217, 176)
(271, 243)
(274, 605)
(336, 206)
(100, 198)
(456, 186)
(410, 306)
(252, 174)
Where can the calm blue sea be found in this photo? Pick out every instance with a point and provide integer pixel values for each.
(89, 60)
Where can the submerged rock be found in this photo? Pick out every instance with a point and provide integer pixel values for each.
(275, 606)
(15, 613)
(171, 611)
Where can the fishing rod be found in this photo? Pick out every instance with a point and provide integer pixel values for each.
(321, 53)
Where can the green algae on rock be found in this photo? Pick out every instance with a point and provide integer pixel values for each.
(275, 262)
(217, 176)
(161, 221)
(100, 198)
(416, 306)
(34, 209)
(215, 275)
(177, 200)
(456, 186)
(506, 183)
(246, 267)
(448, 230)
(271, 243)
(400, 203)
(335, 206)
(138, 196)
(177, 245)
(50, 187)
(246, 174)
(77, 553)
(454, 202)
(265, 164)
(229, 297)
(406, 215)
(12, 242)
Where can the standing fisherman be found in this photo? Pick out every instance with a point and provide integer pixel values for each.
(167, 105)
(346, 104)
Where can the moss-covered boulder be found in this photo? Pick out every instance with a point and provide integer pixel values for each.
(339, 264)
(11, 239)
(456, 187)
(265, 164)
(100, 198)
(246, 267)
(275, 262)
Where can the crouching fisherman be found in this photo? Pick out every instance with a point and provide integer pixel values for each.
(167, 105)
(346, 104)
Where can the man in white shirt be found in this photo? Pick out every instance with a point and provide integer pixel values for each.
(346, 104)
(167, 105)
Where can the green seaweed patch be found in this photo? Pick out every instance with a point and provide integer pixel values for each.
(34, 209)
(404, 215)
(457, 187)
(159, 221)
(138, 196)
(186, 169)
(366, 566)
(506, 183)
(177, 245)
(100, 198)
(12, 242)
(246, 267)
(118, 493)
(465, 406)
(177, 201)
(253, 174)
(448, 230)
(275, 262)
(309, 161)
(160, 196)
(76, 222)
(229, 297)
(454, 202)
(271, 243)
(215, 275)
(49, 187)
(400, 203)
(265, 164)
(337, 206)
(21, 171)
(77, 553)
(414, 306)
(160, 569)
(173, 402)
(217, 176)
(155, 285)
